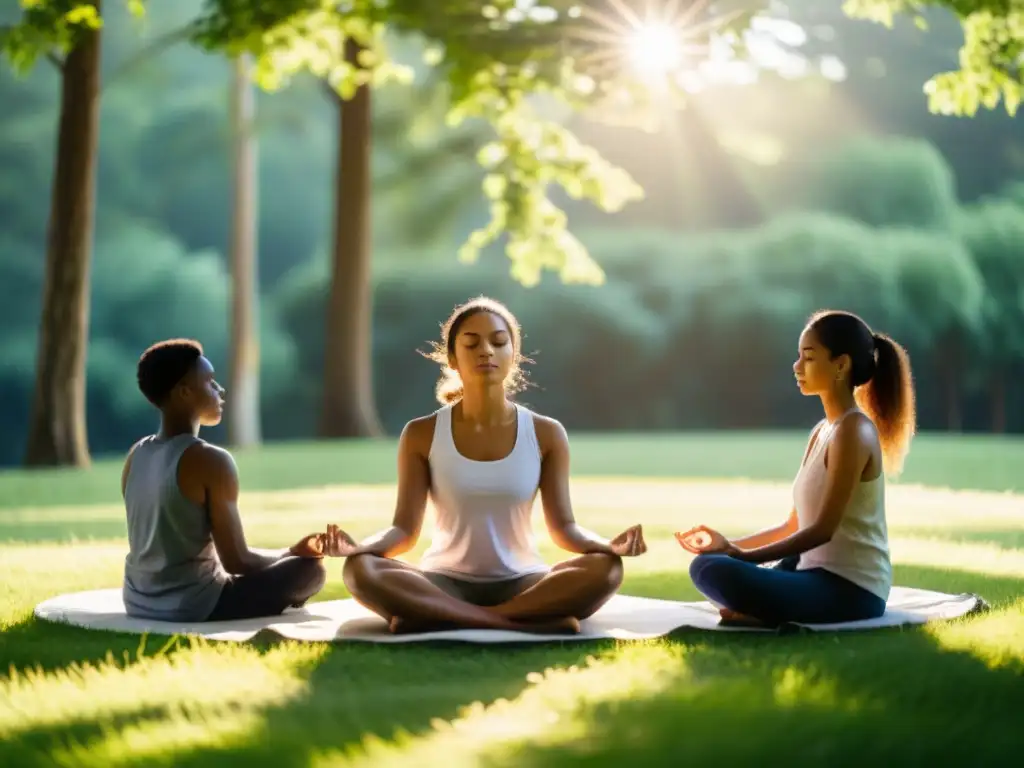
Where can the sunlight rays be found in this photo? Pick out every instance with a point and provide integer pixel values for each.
(654, 43)
(654, 50)
(691, 46)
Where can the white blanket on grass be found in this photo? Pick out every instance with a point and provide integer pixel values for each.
(622, 618)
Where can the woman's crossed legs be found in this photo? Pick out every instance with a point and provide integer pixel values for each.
(782, 594)
(411, 600)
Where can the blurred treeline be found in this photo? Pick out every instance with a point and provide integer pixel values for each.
(764, 202)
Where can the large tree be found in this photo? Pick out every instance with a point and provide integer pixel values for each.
(244, 390)
(68, 33)
(347, 404)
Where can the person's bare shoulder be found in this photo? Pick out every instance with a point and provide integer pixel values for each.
(418, 434)
(857, 429)
(204, 466)
(207, 456)
(550, 433)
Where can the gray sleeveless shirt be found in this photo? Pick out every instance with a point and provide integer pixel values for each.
(172, 572)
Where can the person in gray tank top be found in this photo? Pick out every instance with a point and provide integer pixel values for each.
(188, 559)
(482, 459)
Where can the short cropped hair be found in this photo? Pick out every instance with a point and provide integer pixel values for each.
(163, 365)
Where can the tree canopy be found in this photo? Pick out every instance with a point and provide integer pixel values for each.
(991, 57)
(506, 62)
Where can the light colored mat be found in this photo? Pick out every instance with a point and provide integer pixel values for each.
(622, 618)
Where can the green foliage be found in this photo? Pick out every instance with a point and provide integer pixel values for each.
(45, 26)
(177, 294)
(993, 233)
(890, 182)
(494, 63)
(694, 332)
(504, 63)
(51, 27)
(990, 68)
(496, 59)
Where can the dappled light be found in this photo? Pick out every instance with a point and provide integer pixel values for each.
(198, 701)
(997, 639)
(553, 710)
(582, 521)
(798, 687)
(187, 731)
(234, 680)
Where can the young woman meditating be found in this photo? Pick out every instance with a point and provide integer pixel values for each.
(481, 459)
(834, 546)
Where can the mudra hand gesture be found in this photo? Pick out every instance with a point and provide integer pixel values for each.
(629, 543)
(309, 546)
(337, 543)
(702, 540)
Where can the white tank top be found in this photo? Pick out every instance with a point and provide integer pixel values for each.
(859, 549)
(482, 509)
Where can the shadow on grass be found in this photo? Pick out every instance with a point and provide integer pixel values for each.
(355, 691)
(838, 698)
(47, 646)
(881, 700)
(895, 696)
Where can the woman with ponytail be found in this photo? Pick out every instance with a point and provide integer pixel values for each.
(482, 459)
(833, 551)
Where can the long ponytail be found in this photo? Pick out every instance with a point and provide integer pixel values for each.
(888, 399)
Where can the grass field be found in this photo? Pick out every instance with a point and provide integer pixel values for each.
(953, 692)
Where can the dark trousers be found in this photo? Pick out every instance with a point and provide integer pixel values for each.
(782, 594)
(291, 581)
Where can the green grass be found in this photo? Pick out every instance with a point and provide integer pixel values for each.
(985, 463)
(950, 692)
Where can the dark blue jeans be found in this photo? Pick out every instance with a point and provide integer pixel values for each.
(782, 594)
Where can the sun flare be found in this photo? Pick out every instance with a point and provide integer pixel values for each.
(655, 50)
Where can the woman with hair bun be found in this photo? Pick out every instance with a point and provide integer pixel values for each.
(482, 459)
(834, 549)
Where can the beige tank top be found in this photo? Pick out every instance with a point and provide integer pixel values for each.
(859, 550)
(482, 509)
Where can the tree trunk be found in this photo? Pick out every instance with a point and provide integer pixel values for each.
(57, 426)
(950, 376)
(243, 398)
(348, 408)
(998, 401)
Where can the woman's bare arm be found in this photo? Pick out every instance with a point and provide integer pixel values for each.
(770, 535)
(565, 532)
(849, 453)
(413, 488)
(213, 469)
(792, 524)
